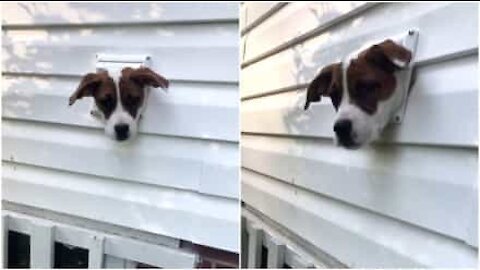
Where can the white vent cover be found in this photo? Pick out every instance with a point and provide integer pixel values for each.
(110, 62)
(409, 41)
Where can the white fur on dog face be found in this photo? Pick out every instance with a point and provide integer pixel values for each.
(365, 127)
(121, 116)
(366, 106)
(119, 97)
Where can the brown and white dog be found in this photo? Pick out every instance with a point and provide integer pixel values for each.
(364, 89)
(119, 98)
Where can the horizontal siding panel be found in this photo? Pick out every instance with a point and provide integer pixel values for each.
(431, 116)
(284, 26)
(351, 234)
(188, 109)
(243, 15)
(388, 180)
(410, 200)
(255, 10)
(186, 154)
(439, 38)
(146, 36)
(35, 14)
(168, 61)
(205, 167)
(143, 207)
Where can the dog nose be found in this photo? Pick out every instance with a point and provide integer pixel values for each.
(121, 130)
(343, 128)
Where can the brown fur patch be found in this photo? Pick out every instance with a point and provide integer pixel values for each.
(368, 84)
(327, 83)
(370, 77)
(132, 83)
(101, 87)
(132, 94)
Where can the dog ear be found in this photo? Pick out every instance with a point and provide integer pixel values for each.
(88, 85)
(326, 82)
(389, 55)
(146, 76)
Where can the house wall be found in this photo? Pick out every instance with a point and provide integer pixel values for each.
(180, 177)
(409, 200)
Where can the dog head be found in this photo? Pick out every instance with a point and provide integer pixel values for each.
(119, 99)
(363, 91)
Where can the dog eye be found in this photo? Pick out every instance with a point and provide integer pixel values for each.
(336, 98)
(106, 102)
(132, 100)
(366, 88)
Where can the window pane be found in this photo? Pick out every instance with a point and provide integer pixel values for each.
(67, 256)
(18, 250)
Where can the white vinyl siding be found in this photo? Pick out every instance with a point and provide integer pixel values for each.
(180, 177)
(408, 201)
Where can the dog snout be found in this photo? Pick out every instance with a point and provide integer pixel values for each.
(343, 131)
(122, 131)
(343, 128)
